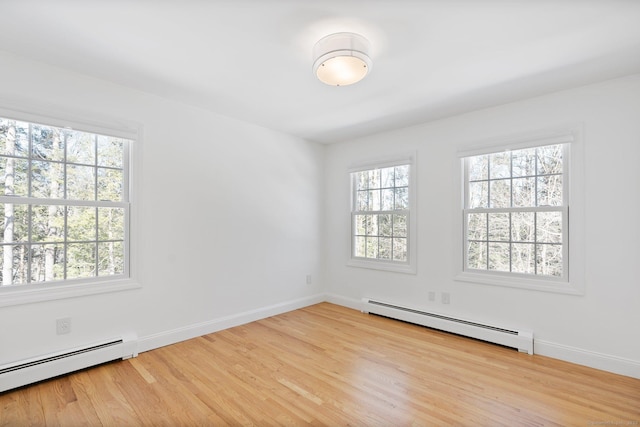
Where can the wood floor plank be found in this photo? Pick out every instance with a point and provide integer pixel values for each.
(329, 365)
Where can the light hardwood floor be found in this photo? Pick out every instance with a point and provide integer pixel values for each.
(329, 365)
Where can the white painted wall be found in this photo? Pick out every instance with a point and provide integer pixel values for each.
(229, 224)
(600, 328)
(230, 234)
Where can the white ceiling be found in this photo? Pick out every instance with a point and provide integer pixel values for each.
(251, 59)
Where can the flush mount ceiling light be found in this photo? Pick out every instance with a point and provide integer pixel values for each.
(341, 59)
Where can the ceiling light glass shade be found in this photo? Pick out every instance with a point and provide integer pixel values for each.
(341, 59)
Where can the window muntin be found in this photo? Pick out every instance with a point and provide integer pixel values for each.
(381, 214)
(63, 204)
(515, 214)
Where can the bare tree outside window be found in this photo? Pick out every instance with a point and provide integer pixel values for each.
(380, 214)
(515, 212)
(63, 204)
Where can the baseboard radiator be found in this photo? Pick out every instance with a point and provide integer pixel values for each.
(29, 371)
(521, 340)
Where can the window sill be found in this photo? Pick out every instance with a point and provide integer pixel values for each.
(382, 265)
(519, 282)
(27, 294)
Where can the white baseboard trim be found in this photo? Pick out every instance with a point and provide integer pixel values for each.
(173, 336)
(592, 359)
(353, 303)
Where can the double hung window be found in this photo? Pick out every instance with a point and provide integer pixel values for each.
(515, 214)
(64, 205)
(515, 228)
(381, 217)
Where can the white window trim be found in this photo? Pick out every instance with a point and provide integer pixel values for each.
(410, 266)
(573, 181)
(32, 293)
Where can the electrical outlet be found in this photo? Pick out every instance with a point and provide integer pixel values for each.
(63, 326)
(446, 298)
(431, 295)
(309, 279)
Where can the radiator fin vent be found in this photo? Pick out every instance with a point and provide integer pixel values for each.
(28, 371)
(440, 316)
(58, 357)
(509, 337)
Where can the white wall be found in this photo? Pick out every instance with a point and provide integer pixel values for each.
(234, 216)
(600, 328)
(229, 224)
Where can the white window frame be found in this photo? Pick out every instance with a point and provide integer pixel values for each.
(379, 264)
(572, 280)
(47, 291)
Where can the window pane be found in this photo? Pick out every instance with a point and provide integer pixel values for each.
(47, 180)
(47, 142)
(111, 224)
(81, 183)
(477, 255)
(110, 151)
(372, 247)
(374, 178)
(478, 168)
(81, 223)
(386, 202)
(402, 176)
(524, 162)
(371, 225)
(14, 138)
(13, 177)
(14, 223)
(400, 249)
(499, 229)
(110, 258)
(47, 223)
(550, 159)
(385, 226)
(81, 260)
(402, 198)
(500, 165)
(523, 258)
(550, 190)
(384, 248)
(81, 148)
(110, 184)
(386, 177)
(524, 192)
(549, 227)
(360, 247)
(500, 196)
(478, 194)
(477, 226)
(499, 256)
(362, 201)
(15, 272)
(549, 259)
(374, 200)
(362, 180)
(47, 263)
(360, 224)
(522, 227)
(399, 225)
